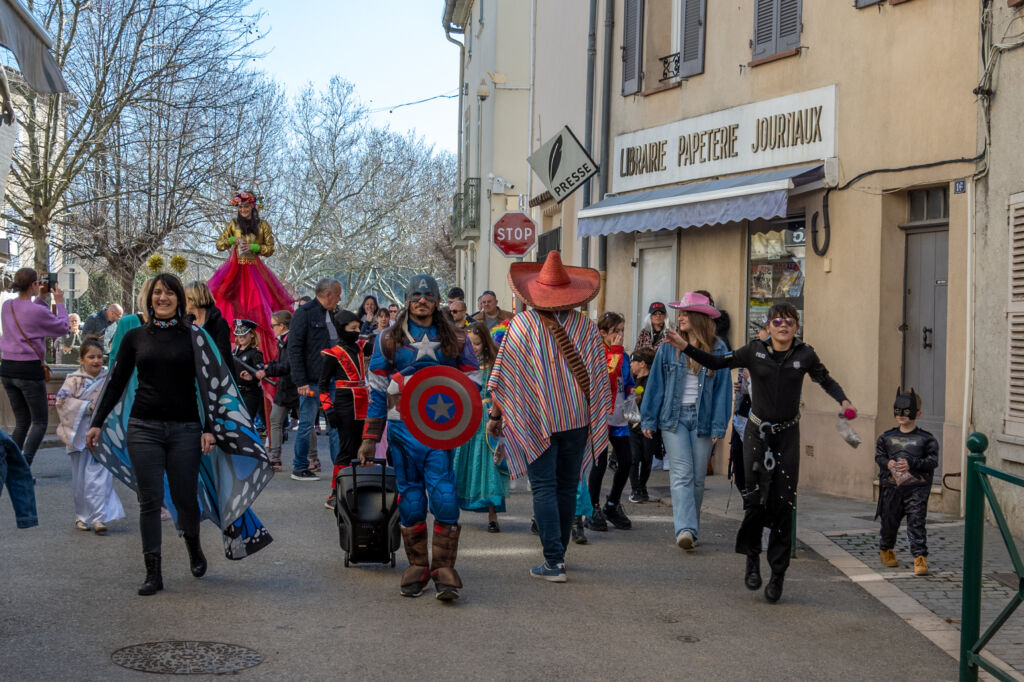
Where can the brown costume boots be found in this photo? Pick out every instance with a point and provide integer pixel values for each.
(416, 577)
(442, 568)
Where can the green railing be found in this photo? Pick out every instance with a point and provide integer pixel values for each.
(977, 490)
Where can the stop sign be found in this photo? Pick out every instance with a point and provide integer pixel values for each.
(514, 234)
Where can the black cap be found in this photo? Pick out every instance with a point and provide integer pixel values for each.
(243, 327)
(656, 307)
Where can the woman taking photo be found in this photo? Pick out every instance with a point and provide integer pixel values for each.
(27, 323)
(690, 405)
(771, 442)
(165, 434)
(368, 317)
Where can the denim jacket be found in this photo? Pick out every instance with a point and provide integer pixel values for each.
(662, 404)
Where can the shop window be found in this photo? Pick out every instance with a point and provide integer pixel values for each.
(777, 26)
(1013, 423)
(928, 205)
(775, 272)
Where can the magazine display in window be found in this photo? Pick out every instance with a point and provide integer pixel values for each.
(776, 270)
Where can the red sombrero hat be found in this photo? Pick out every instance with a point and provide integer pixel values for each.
(553, 286)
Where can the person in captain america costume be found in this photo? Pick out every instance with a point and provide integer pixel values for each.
(421, 336)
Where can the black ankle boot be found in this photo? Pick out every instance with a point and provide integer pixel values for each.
(196, 558)
(154, 581)
(753, 577)
(773, 590)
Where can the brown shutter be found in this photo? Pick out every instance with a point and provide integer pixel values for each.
(1014, 422)
(691, 38)
(632, 46)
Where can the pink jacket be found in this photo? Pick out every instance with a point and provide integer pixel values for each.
(36, 321)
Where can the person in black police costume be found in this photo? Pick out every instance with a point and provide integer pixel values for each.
(771, 442)
(907, 456)
(247, 350)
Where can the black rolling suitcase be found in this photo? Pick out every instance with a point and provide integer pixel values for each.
(367, 514)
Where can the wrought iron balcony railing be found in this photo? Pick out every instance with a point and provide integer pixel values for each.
(669, 67)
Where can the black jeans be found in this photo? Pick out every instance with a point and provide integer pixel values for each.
(644, 449)
(772, 509)
(31, 413)
(172, 448)
(620, 444)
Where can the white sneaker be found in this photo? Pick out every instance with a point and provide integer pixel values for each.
(685, 540)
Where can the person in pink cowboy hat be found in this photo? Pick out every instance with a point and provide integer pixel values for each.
(691, 405)
(551, 396)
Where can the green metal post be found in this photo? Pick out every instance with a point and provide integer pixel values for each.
(974, 528)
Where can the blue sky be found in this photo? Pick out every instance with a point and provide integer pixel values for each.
(394, 51)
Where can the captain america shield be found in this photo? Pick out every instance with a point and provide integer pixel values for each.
(441, 407)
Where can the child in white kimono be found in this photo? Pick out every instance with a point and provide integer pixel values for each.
(96, 503)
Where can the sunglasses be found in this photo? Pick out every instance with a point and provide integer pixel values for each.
(657, 312)
(783, 322)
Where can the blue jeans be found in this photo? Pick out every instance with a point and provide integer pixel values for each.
(309, 408)
(14, 472)
(688, 456)
(554, 480)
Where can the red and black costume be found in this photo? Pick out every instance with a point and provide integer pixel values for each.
(344, 395)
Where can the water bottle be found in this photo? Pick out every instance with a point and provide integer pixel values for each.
(845, 430)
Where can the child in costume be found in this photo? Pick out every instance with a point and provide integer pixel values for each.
(247, 352)
(286, 398)
(643, 449)
(344, 397)
(479, 483)
(421, 337)
(96, 503)
(907, 456)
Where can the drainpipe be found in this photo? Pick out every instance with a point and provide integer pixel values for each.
(529, 125)
(588, 124)
(449, 28)
(606, 107)
(966, 417)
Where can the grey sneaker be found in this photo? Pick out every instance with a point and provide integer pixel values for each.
(553, 574)
(306, 475)
(685, 540)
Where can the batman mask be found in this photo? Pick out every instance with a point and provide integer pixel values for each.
(905, 404)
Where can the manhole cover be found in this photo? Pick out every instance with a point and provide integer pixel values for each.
(187, 658)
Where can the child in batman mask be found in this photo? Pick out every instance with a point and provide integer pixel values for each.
(907, 456)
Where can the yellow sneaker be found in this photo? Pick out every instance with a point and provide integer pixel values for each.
(889, 558)
(920, 566)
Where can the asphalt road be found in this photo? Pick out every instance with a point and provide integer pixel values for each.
(635, 606)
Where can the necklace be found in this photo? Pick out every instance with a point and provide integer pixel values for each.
(165, 324)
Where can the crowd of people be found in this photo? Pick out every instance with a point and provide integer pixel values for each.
(193, 388)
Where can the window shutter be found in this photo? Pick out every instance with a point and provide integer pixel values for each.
(632, 46)
(789, 25)
(1014, 422)
(764, 28)
(691, 38)
(865, 3)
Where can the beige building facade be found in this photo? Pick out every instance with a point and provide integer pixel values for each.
(997, 255)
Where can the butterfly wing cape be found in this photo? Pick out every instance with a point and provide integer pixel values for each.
(231, 475)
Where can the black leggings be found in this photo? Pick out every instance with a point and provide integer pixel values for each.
(620, 444)
(895, 503)
(644, 450)
(31, 413)
(172, 448)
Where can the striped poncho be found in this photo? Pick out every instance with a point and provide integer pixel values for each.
(534, 386)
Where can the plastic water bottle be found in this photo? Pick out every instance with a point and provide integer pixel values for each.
(845, 430)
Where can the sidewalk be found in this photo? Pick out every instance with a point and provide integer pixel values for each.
(843, 531)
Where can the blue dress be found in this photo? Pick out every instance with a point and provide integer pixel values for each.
(479, 484)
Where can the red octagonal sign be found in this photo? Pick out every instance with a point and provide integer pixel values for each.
(514, 234)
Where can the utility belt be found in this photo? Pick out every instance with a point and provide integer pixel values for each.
(340, 383)
(764, 430)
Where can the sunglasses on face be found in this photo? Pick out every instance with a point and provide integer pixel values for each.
(783, 322)
(657, 312)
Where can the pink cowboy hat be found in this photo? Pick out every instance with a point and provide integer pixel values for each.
(696, 303)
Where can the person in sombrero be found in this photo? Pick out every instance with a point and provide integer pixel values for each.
(551, 396)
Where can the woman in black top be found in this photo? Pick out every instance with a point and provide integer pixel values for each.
(203, 311)
(771, 441)
(165, 435)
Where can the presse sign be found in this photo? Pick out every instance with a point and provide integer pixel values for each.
(562, 164)
(777, 132)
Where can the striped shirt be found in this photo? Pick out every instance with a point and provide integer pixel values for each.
(532, 382)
